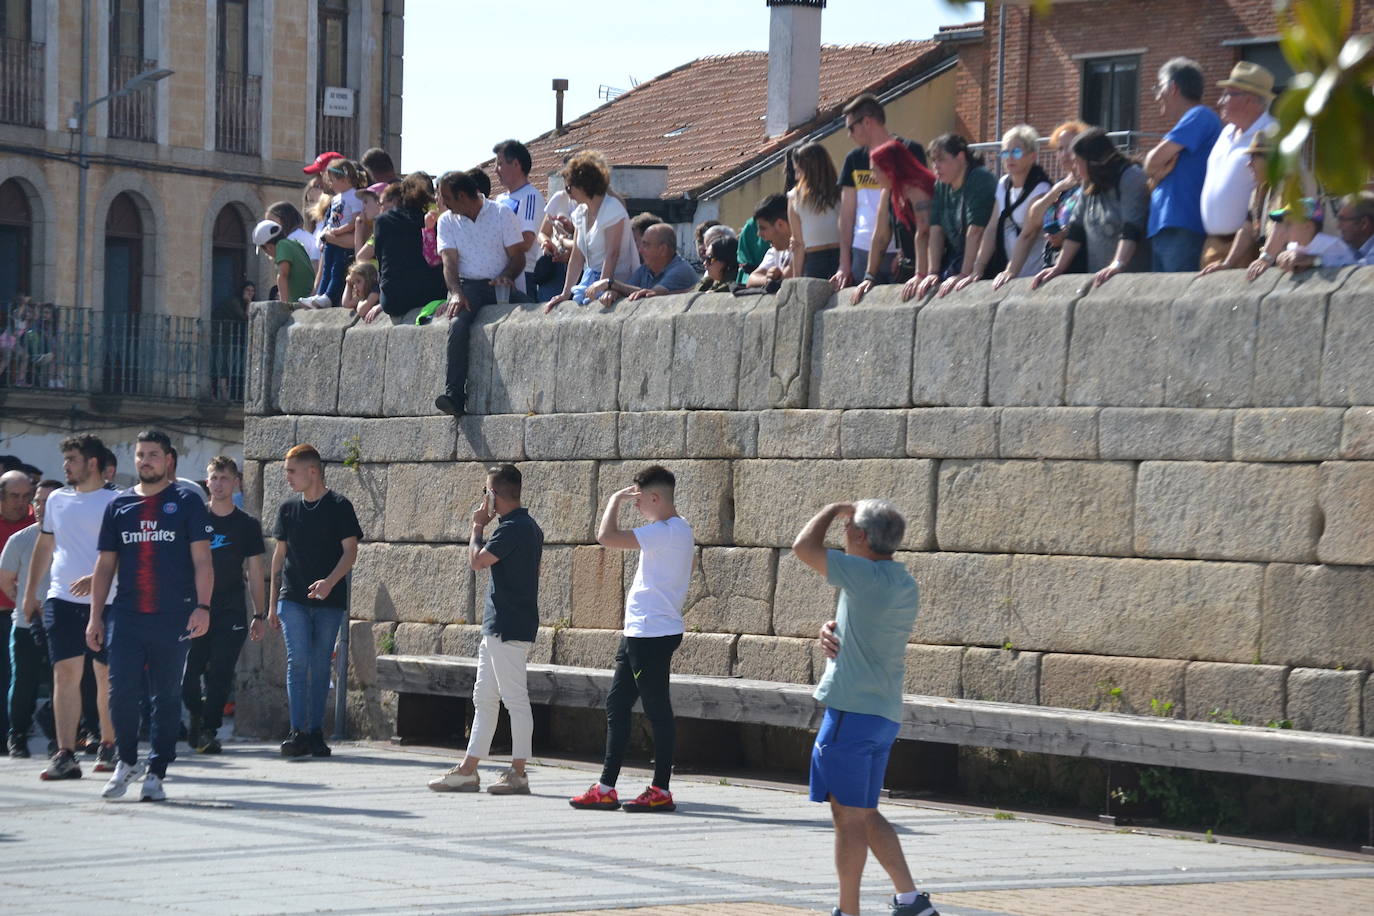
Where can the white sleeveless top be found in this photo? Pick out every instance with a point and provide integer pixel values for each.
(819, 227)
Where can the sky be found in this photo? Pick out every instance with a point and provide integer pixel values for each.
(463, 93)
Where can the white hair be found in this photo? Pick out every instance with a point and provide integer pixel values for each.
(1024, 136)
(881, 522)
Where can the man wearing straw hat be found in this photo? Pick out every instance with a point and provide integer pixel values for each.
(1244, 105)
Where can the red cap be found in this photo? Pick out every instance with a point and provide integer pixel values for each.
(321, 162)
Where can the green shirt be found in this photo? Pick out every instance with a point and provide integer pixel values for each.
(877, 609)
(954, 210)
(751, 249)
(302, 279)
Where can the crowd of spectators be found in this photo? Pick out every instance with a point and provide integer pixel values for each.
(30, 352)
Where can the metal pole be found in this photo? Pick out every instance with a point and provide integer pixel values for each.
(80, 297)
(386, 74)
(1001, 65)
(341, 669)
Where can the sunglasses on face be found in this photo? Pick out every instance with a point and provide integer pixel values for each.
(1015, 152)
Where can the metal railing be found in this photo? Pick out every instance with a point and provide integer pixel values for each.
(338, 134)
(90, 351)
(21, 82)
(1131, 142)
(132, 116)
(238, 113)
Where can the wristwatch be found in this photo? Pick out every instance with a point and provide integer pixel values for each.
(202, 607)
(259, 616)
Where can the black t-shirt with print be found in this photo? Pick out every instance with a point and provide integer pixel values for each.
(233, 538)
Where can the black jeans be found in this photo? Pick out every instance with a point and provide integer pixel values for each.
(29, 668)
(213, 658)
(6, 618)
(642, 666)
(478, 293)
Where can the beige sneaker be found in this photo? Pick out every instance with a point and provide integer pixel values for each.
(510, 783)
(454, 781)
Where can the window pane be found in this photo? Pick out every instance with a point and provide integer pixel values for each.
(332, 51)
(14, 20)
(126, 28)
(1111, 92)
(233, 31)
(1271, 58)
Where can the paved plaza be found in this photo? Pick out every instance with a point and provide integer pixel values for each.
(249, 832)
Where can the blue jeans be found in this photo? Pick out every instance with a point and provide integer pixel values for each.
(1176, 250)
(310, 634)
(146, 651)
(334, 271)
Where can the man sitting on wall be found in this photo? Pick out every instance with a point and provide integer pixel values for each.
(662, 271)
(773, 228)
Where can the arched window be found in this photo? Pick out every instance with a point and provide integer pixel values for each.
(123, 257)
(16, 242)
(228, 256)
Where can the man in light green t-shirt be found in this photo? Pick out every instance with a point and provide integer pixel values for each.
(862, 690)
(295, 277)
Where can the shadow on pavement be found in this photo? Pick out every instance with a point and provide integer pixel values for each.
(270, 807)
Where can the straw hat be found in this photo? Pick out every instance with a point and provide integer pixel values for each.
(1250, 77)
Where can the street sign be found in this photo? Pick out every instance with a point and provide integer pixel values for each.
(338, 102)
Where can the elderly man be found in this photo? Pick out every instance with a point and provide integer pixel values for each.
(27, 653)
(661, 272)
(1229, 183)
(1355, 219)
(16, 514)
(483, 249)
(862, 690)
(1177, 166)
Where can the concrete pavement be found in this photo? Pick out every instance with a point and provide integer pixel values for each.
(249, 832)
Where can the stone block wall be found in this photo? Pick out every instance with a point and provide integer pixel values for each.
(1154, 497)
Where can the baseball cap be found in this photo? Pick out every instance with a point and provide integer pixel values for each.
(321, 161)
(266, 231)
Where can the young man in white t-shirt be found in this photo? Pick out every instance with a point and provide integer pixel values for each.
(513, 164)
(653, 631)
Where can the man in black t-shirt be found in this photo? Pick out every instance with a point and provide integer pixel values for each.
(859, 192)
(235, 537)
(317, 543)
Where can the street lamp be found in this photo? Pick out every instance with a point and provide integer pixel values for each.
(78, 122)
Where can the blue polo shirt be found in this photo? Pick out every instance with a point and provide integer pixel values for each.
(511, 611)
(1176, 202)
(678, 275)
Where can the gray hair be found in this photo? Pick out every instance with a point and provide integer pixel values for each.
(1186, 74)
(1024, 136)
(881, 522)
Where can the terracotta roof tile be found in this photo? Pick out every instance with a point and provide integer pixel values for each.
(711, 111)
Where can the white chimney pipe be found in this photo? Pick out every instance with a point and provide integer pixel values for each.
(794, 63)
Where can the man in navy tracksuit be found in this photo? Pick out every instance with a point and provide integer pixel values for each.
(157, 537)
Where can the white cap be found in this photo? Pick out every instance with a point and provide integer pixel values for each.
(266, 231)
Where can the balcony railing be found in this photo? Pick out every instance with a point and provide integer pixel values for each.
(95, 352)
(238, 113)
(132, 116)
(1131, 142)
(21, 82)
(338, 134)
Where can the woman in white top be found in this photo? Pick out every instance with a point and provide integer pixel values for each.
(813, 211)
(603, 244)
(1023, 182)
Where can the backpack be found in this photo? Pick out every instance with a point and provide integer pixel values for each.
(999, 260)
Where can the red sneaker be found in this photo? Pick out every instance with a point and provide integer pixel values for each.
(595, 800)
(652, 799)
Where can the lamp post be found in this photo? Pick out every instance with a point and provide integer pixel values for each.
(79, 112)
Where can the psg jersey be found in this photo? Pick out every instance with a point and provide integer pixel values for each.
(152, 536)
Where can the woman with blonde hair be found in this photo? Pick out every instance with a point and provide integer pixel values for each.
(1022, 184)
(813, 212)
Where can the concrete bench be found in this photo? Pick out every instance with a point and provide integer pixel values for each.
(1143, 740)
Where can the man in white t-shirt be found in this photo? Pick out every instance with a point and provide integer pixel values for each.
(483, 248)
(66, 548)
(653, 631)
(1227, 188)
(513, 165)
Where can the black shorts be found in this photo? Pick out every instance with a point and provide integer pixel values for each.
(64, 625)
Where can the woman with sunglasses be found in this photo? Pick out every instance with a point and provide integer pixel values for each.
(1022, 184)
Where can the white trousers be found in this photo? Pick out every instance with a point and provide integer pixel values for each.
(501, 679)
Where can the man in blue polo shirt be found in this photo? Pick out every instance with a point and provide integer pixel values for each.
(661, 271)
(1177, 168)
(157, 537)
(862, 690)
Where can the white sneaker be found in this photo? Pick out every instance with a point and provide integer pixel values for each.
(316, 302)
(152, 789)
(119, 782)
(454, 781)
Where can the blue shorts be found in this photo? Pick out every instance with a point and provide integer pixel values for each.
(850, 757)
(64, 624)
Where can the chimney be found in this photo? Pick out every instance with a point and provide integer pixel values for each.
(794, 63)
(559, 87)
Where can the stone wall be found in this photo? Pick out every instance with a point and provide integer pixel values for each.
(1153, 497)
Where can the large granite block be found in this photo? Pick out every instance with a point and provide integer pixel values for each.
(418, 638)
(1347, 505)
(862, 353)
(652, 434)
(1112, 684)
(415, 370)
(721, 434)
(587, 338)
(710, 654)
(952, 432)
(365, 486)
(799, 434)
(1288, 341)
(1212, 327)
(490, 439)
(1227, 511)
(1318, 616)
(1001, 675)
(932, 671)
(732, 591)
(266, 356)
(561, 495)
(1119, 351)
(1357, 433)
(337, 439)
(461, 639)
(362, 368)
(310, 369)
(598, 601)
(775, 498)
(707, 340)
(703, 496)
(1325, 701)
(524, 361)
(413, 583)
(802, 600)
(1048, 432)
(953, 339)
(433, 501)
(776, 346)
(1287, 433)
(1035, 507)
(1149, 608)
(873, 433)
(585, 648)
(773, 658)
(966, 599)
(1219, 692)
(1164, 433)
(1347, 359)
(252, 472)
(406, 439)
(1030, 344)
(555, 585)
(561, 436)
(646, 352)
(268, 438)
